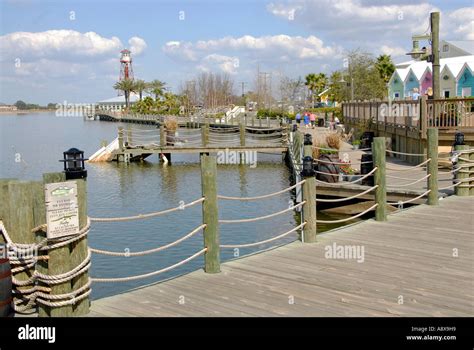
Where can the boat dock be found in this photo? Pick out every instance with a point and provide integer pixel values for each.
(418, 263)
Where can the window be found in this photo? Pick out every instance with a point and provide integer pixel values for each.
(446, 93)
(445, 48)
(397, 95)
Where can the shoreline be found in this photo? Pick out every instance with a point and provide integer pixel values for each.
(27, 111)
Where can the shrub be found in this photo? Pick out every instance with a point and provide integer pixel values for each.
(333, 140)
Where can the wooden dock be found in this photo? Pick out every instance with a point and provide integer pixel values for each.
(418, 263)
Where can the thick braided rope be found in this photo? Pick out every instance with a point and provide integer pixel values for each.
(149, 215)
(341, 163)
(263, 196)
(347, 198)
(349, 218)
(150, 274)
(410, 168)
(406, 154)
(264, 241)
(150, 251)
(348, 182)
(466, 160)
(412, 183)
(409, 200)
(262, 217)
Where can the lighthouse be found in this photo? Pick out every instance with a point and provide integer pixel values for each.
(126, 70)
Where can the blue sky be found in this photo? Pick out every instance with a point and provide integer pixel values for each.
(50, 54)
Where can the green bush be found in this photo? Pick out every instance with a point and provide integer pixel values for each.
(264, 113)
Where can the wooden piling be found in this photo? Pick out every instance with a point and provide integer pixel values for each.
(463, 173)
(59, 261)
(162, 136)
(39, 218)
(4, 203)
(471, 175)
(120, 138)
(432, 167)
(79, 250)
(242, 134)
(309, 208)
(210, 213)
(205, 135)
(378, 154)
(19, 221)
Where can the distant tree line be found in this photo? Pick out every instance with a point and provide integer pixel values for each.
(23, 105)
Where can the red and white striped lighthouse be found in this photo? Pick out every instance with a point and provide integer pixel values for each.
(126, 70)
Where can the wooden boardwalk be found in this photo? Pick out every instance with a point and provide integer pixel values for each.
(410, 256)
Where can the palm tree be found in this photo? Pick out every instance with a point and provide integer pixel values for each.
(140, 86)
(316, 83)
(156, 87)
(127, 86)
(385, 67)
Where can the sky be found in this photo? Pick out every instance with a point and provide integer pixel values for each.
(68, 51)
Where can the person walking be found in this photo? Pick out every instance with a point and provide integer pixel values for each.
(306, 120)
(312, 118)
(416, 95)
(298, 118)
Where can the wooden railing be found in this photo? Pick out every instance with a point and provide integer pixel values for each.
(419, 114)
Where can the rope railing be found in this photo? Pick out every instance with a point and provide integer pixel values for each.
(149, 215)
(262, 196)
(149, 251)
(341, 150)
(406, 154)
(236, 221)
(346, 198)
(349, 218)
(150, 274)
(412, 183)
(410, 168)
(409, 200)
(341, 163)
(348, 182)
(247, 245)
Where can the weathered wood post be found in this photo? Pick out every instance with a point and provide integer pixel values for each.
(268, 122)
(242, 134)
(79, 250)
(19, 221)
(423, 117)
(205, 135)
(309, 196)
(59, 262)
(260, 121)
(129, 135)
(432, 167)
(463, 173)
(378, 155)
(120, 138)
(253, 120)
(471, 174)
(210, 213)
(121, 157)
(162, 136)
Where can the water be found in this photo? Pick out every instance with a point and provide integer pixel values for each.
(32, 144)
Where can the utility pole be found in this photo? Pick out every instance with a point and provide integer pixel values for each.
(434, 18)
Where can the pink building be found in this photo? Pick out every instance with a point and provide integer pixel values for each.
(426, 81)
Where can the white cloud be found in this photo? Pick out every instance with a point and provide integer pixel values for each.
(245, 50)
(461, 23)
(137, 45)
(393, 51)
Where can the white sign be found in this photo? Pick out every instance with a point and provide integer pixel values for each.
(62, 211)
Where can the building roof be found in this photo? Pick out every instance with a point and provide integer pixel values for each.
(454, 64)
(465, 45)
(121, 99)
(323, 92)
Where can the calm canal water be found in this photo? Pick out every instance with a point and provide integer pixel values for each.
(32, 144)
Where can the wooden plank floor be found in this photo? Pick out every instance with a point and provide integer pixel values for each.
(410, 256)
